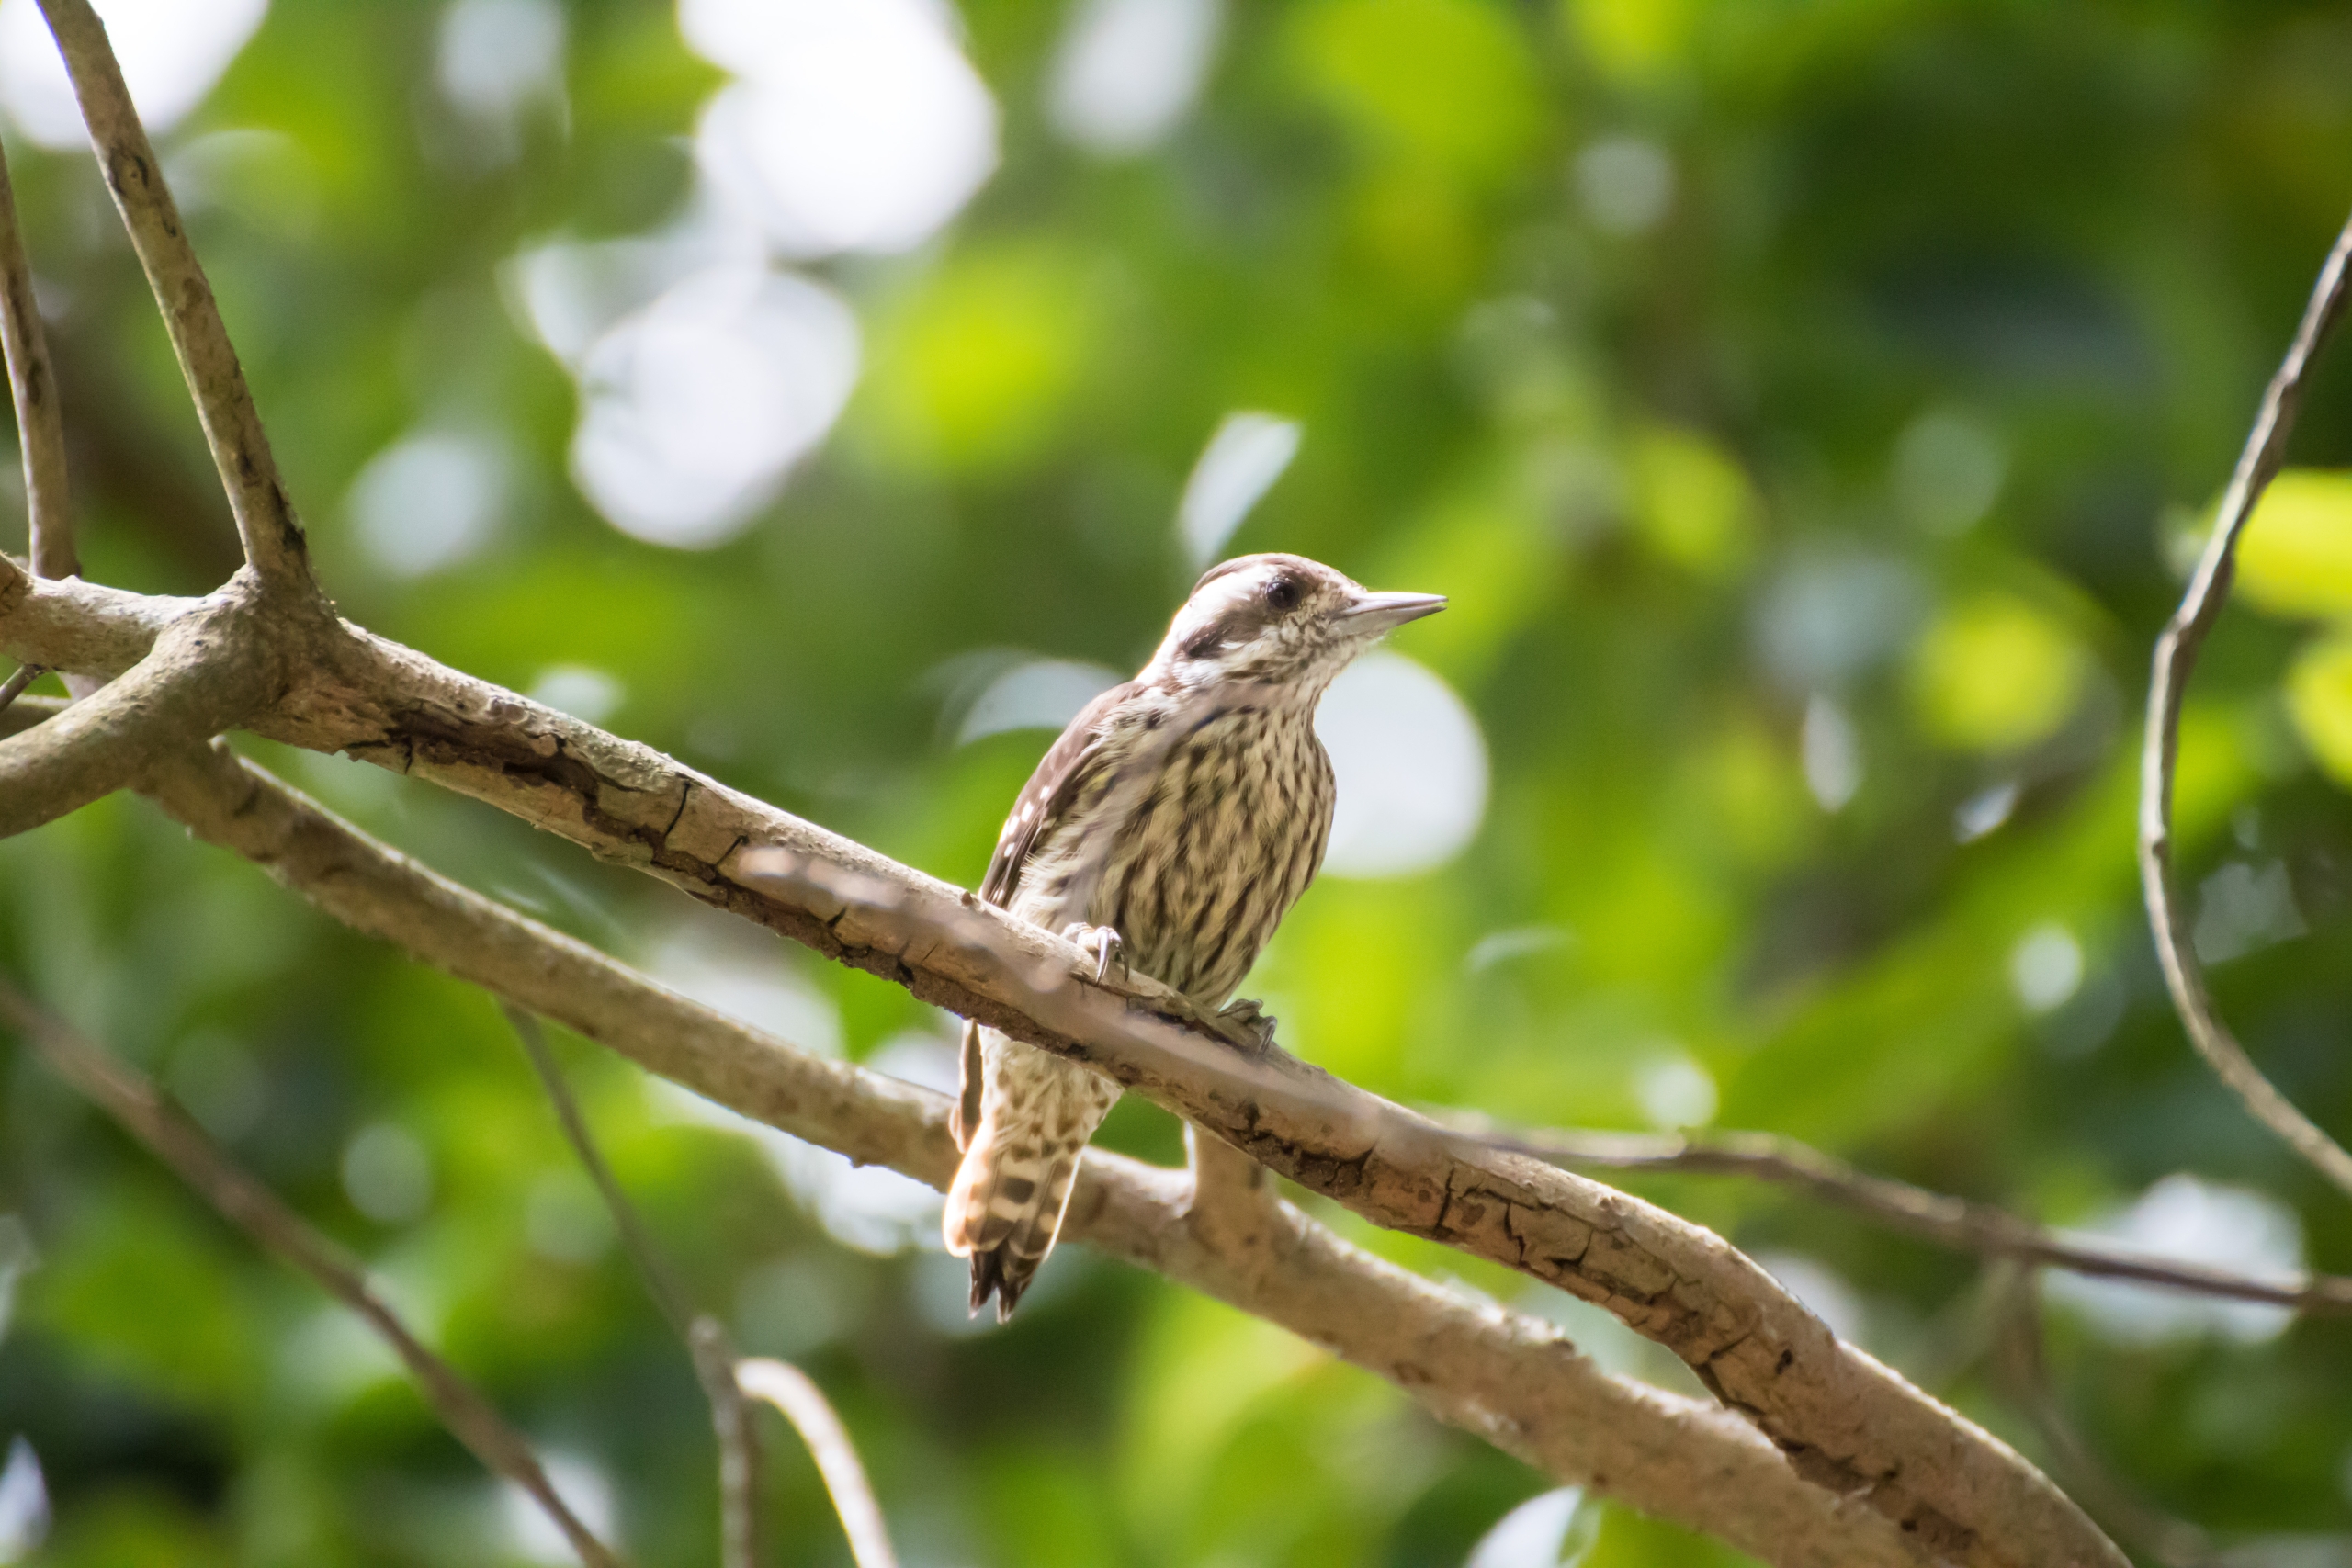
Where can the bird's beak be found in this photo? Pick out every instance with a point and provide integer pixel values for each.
(1374, 613)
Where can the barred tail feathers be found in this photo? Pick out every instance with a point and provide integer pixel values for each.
(1020, 1157)
(1006, 1210)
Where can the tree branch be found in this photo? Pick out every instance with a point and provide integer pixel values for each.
(14, 686)
(142, 1112)
(1846, 1422)
(1231, 1206)
(1960, 1224)
(2176, 658)
(804, 1405)
(83, 626)
(201, 678)
(41, 427)
(705, 1339)
(1507, 1378)
(273, 543)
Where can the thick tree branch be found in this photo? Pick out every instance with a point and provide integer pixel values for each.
(1231, 1206)
(32, 383)
(201, 678)
(272, 535)
(1511, 1378)
(142, 1112)
(2176, 658)
(1846, 1422)
(1957, 1222)
(82, 627)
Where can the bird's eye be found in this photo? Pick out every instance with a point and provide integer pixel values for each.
(1282, 595)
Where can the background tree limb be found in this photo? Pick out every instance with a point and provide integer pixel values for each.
(2176, 658)
(137, 1106)
(705, 1340)
(32, 384)
(789, 1391)
(1960, 1224)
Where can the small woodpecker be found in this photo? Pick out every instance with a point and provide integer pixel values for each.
(1172, 825)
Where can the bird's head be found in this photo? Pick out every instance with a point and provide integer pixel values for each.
(1278, 620)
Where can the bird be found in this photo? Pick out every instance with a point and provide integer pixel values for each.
(1170, 828)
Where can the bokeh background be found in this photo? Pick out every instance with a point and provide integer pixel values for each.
(1811, 407)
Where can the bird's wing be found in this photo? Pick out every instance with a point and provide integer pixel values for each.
(1048, 795)
(1042, 800)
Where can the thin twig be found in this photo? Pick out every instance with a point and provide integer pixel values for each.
(661, 1283)
(1960, 1224)
(14, 686)
(739, 1442)
(2175, 657)
(272, 535)
(41, 427)
(146, 1115)
(804, 1405)
(705, 1338)
(2021, 1363)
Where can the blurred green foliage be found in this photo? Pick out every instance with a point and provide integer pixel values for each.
(1806, 403)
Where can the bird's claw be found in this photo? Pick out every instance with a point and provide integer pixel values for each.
(1103, 942)
(1251, 1015)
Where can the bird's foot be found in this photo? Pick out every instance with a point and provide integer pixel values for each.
(1102, 942)
(1251, 1015)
